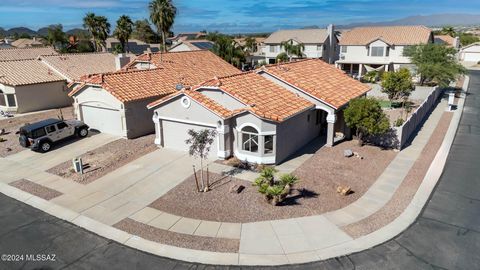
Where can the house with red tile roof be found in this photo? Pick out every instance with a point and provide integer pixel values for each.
(262, 116)
(116, 102)
(380, 48)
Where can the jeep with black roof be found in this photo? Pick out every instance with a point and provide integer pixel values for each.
(41, 136)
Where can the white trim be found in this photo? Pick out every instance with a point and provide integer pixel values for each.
(239, 129)
(188, 102)
(223, 129)
(256, 159)
(331, 118)
(187, 122)
(56, 70)
(223, 154)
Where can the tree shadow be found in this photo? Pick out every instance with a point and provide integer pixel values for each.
(302, 194)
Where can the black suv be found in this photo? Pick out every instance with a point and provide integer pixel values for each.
(42, 135)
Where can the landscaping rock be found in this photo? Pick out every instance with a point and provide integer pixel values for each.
(347, 153)
(236, 188)
(344, 190)
(357, 155)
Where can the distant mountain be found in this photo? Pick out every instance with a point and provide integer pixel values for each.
(43, 31)
(21, 30)
(436, 20)
(77, 32)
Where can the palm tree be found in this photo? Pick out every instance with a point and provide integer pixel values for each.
(123, 31)
(226, 48)
(89, 23)
(103, 29)
(162, 14)
(251, 44)
(449, 30)
(293, 50)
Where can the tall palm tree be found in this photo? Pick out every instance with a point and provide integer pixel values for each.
(292, 49)
(103, 29)
(89, 23)
(162, 14)
(123, 31)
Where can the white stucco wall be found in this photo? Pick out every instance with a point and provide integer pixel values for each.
(361, 54)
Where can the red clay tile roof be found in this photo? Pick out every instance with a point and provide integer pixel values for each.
(320, 80)
(394, 35)
(261, 97)
(187, 68)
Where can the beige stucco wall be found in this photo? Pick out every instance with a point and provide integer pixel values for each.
(38, 97)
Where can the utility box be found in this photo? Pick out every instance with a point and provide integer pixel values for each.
(451, 101)
(78, 165)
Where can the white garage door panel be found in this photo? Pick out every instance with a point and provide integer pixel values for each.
(472, 57)
(102, 119)
(175, 134)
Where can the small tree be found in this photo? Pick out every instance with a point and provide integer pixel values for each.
(398, 85)
(292, 49)
(199, 146)
(282, 58)
(436, 63)
(366, 116)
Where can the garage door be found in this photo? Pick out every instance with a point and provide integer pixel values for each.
(103, 119)
(175, 134)
(472, 57)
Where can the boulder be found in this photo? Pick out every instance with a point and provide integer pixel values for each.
(347, 153)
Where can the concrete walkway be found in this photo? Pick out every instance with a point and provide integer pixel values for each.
(127, 191)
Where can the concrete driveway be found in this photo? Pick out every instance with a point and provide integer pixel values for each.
(61, 152)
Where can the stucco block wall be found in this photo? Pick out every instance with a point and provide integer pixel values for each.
(295, 133)
(139, 118)
(223, 98)
(359, 54)
(44, 96)
(194, 113)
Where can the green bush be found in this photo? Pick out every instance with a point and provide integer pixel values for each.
(399, 122)
(371, 76)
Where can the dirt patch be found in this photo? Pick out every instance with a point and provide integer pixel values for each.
(106, 158)
(178, 239)
(36, 189)
(404, 194)
(316, 192)
(397, 113)
(11, 125)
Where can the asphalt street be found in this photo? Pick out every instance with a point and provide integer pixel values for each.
(445, 236)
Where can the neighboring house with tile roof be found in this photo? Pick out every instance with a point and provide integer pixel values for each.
(447, 40)
(379, 48)
(28, 42)
(25, 53)
(29, 85)
(191, 45)
(319, 43)
(263, 116)
(116, 102)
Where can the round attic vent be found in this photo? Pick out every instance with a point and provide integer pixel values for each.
(185, 102)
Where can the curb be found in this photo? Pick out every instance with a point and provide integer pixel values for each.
(400, 224)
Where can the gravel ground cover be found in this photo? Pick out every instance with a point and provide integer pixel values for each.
(105, 159)
(36, 189)
(396, 113)
(12, 125)
(178, 239)
(407, 189)
(316, 192)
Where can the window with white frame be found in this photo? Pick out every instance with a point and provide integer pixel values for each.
(11, 100)
(273, 48)
(249, 139)
(377, 51)
(268, 144)
(2, 99)
(319, 47)
(343, 49)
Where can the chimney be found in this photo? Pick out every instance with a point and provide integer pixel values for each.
(332, 43)
(121, 60)
(34, 39)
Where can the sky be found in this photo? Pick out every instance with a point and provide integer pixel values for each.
(229, 16)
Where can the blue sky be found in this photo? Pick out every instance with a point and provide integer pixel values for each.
(230, 16)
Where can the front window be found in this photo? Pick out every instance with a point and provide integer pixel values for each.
(268, 145)
(344, 49)
(2, 99)
(250, 139)
(272, 49)
(11, 100)
(377, 51)
(319, 47)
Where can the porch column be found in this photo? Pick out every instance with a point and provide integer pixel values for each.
(222, 139)
(158, 130)
(331, 119)
(360, 70)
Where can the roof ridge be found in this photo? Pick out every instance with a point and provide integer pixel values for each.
(19, 60)
(84, 53)
(122, 72)
(29, 48)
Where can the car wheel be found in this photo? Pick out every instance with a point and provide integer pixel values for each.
(45, 147)
(82, 133)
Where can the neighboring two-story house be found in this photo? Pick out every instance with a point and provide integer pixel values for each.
(365, 49)
(318, 43)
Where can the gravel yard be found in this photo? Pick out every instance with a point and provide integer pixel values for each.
(178, 239)
(315, 193)
(36, 189)
(12, 125)
(106, 158)
(396, 113)
(407, 189)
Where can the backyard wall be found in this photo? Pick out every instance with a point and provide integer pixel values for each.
(405, 132)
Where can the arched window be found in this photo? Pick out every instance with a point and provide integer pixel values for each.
(249, 139)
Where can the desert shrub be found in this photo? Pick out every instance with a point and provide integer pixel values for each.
(399, 122)
(275, 191)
